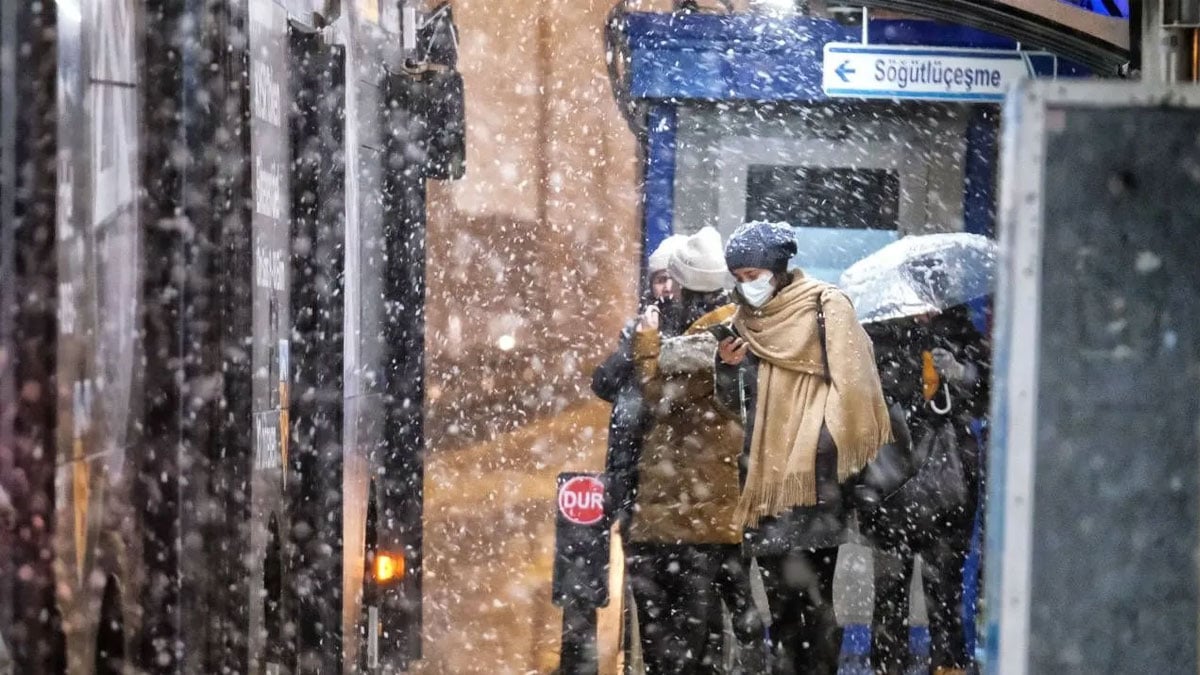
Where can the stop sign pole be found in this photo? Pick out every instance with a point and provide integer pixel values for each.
(581, 550)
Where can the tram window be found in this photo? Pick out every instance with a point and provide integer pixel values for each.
(840, 214)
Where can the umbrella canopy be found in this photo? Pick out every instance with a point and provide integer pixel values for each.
(920, 275)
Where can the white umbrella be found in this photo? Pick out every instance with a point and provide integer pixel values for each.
(920, 275)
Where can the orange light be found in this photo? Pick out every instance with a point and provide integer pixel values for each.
(387, 567)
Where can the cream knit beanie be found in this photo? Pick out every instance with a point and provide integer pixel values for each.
(698, 264)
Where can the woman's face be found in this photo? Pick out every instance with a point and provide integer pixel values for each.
(662, 286)
(745, 274)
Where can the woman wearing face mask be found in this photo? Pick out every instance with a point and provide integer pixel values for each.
(802, 374)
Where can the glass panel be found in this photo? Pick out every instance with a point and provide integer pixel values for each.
(808, 196)
(826, 252)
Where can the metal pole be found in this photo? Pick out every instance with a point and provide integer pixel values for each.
(579, 626)
(1151, 29)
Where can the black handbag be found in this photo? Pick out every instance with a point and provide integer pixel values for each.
(933, 500)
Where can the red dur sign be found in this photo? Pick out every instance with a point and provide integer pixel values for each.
(581, 500)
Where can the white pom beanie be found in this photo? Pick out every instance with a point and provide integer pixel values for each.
(662, 255)
(698, 264)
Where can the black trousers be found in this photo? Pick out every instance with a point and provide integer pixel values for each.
(805, 636)
(942, 580)
(678, 590)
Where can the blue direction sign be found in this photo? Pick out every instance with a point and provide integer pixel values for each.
(881, 71)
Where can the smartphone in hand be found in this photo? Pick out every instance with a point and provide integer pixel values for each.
(723, 331)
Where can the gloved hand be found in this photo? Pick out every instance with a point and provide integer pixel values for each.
(948, 366)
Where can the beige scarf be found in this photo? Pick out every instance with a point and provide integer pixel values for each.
(794, 398)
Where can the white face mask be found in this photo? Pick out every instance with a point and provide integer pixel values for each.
(757, 292)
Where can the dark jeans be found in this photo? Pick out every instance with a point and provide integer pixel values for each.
(677, 591)
(942, 581)
(805, 636)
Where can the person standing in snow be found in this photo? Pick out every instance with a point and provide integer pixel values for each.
(802, 372)
(935, 368)
(683, 555)
(614, 381)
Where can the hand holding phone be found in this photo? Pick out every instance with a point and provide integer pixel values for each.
(732, 351)
(723, 331)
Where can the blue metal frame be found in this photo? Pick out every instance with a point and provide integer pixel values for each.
(659, 178)
(979, 194)
(979, 217)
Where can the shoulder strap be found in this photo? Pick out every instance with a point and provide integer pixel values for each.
(821, 335)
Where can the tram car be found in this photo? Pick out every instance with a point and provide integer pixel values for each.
(235, 323)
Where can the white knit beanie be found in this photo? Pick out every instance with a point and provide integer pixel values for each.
(698, 264)
(658, 260)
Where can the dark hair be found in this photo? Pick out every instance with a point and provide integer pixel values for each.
(695, 304)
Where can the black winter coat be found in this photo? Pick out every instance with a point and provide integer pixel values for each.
(822, 525)
(616, 370)
(898, 347)
(615, 381)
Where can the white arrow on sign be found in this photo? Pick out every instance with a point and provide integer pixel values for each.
(932, 73)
